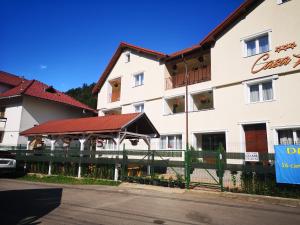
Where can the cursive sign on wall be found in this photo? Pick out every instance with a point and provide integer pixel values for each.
(263, 62)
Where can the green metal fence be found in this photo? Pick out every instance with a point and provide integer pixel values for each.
(225, 171)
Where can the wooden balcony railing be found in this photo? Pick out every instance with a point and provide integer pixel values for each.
(196, 76)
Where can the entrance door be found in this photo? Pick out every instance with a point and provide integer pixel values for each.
(256, 138)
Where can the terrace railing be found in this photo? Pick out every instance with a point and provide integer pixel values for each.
(195, 76)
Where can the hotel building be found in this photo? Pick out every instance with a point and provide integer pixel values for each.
(243, 83)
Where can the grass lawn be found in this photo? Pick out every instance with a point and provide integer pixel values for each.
(67, 180)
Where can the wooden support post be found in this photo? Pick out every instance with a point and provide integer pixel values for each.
(81, 149)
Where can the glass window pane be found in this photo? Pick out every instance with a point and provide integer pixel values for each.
(171, 142)
(298, 137)
(254, 93)
(267, 91)
(136, 80)
(251, 49)
(263, 44)
(285, 137)
(178, 142)
(163, 142)
(142, 79)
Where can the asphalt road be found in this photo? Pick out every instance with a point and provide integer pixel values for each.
(29, 203)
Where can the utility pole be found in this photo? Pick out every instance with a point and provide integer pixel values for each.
(187, 153)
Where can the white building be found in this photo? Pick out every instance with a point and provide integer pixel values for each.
(26, 103)
(243, 87)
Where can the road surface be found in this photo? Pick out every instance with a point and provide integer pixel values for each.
(32, 203)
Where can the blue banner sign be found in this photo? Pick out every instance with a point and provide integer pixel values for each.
(287, 164)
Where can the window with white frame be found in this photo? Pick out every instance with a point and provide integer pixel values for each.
(138, 79)
(260, 92)
(288, 136)
(171, 142)
(139, 107)
(257, 45)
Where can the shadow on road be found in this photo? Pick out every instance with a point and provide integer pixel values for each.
(26, 206)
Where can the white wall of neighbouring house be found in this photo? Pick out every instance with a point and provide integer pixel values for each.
(13, 113)
(36, 111)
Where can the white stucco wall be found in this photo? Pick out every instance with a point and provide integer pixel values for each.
(13, 113)
(33, 111)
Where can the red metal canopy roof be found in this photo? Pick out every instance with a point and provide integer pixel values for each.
(102, 124)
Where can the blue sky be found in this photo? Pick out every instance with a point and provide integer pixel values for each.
(66, 43)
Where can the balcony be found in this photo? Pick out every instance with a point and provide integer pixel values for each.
(2, 123)
(195, 76)
(114, 90)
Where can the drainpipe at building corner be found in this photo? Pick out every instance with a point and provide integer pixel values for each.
(187, 153)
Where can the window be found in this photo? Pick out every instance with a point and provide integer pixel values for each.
(261, 92)
(139, 107)
(2, 112)
(127, 57)
(1, 136)
(257, 45)
(281, 1)
(288, 136)
(138, 79)
(171, 142)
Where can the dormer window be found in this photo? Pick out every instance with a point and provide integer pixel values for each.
(50, 89)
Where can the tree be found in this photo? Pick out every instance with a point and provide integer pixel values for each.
(84, 94)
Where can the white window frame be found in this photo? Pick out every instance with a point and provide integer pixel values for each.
(141, 81)
(137, 105)
(294, 130)
(260, 81)
(256, 37)
(175, 141)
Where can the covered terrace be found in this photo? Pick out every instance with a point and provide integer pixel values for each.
(92, 132)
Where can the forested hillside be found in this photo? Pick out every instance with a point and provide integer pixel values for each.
(84, 95)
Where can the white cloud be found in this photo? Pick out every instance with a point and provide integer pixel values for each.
(43, 67)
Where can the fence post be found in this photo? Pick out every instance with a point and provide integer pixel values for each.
(187, 168)
(124, 162)
(148, 163)
(50, 162)
(152, 167)
(220, 167)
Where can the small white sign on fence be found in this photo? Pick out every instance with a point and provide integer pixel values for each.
(251, 156)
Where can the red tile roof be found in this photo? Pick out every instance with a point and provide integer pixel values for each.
(102, 124)
(10, 79)
(38, 89)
